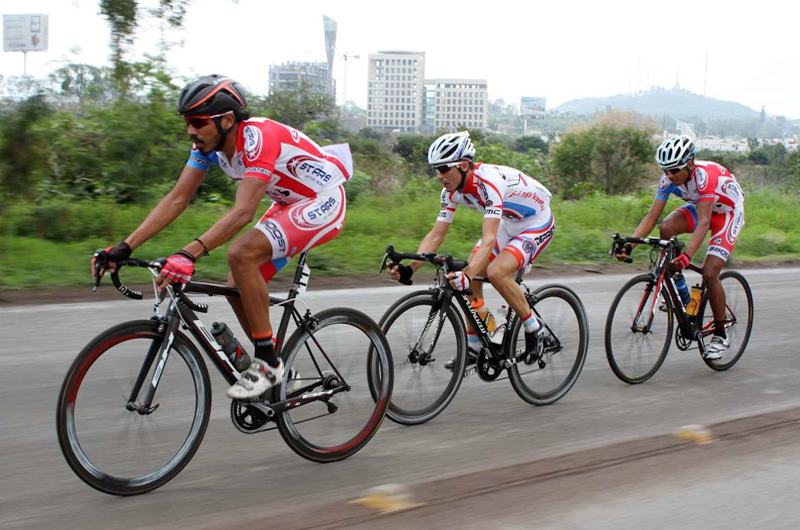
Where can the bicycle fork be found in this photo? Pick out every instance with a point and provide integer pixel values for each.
(159, 350)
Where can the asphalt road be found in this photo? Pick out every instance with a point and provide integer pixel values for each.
(235, 478)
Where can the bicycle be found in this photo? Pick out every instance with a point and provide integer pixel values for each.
(415, 328)
(636, 319)
(127, 364)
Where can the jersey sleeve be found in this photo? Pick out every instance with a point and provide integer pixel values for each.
(260, 153)
(665, 187)
(491, 188)
(200, 161)
(706, 184)
(448, 208)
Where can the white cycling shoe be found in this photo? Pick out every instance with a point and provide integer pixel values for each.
(257, 379)
(718, 346)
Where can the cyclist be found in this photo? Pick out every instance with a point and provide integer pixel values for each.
(715, 202)
(517, 226)
(303, 180)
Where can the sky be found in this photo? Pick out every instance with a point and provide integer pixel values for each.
(560, 50)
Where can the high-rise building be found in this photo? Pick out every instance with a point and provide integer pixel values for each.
(395, 90)
(452, 104)
(289, 76)
(330, 50)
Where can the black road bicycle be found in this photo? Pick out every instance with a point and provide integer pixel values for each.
(135, 403)
(640, 322)
(425, 329)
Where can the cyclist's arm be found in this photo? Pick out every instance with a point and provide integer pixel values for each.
(431, 242)
(650, 220)
(704, 211)
(251, 191)
(480, 260)
(170, 207)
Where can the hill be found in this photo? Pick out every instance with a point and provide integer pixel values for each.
(680, 104)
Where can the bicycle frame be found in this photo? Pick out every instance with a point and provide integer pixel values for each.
(181, 310)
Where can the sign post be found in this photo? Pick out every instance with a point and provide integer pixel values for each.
(25, 33)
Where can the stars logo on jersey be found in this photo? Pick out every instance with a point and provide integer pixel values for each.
(253, 142)
(295, 135)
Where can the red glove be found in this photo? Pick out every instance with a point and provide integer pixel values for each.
(682, 261)
(178, 268)
(459, 281)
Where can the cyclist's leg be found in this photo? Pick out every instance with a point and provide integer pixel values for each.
(528, 241)
(725, 229)
(681, 221)
(283, 232)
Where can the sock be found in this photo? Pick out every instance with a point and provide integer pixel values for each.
(530, 323)
(719, 329)
(265, 349)
(473, 344)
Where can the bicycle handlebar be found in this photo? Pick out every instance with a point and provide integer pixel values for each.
(138, 295)
(443, 261)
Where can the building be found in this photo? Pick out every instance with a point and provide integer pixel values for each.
(289, 76)
(457, 104)
(395, 90)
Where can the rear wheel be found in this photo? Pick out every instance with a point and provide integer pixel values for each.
(638, 332)
(336, 358)
(738, 319)
(566, 340)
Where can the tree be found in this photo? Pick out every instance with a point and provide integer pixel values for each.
(298, 107)
(605, 157)
(83, 82)
(524, 143)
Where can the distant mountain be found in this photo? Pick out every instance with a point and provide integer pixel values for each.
(680, 104)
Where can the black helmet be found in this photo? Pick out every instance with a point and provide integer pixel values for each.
(211, 95)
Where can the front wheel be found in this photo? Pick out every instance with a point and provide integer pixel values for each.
(336, 359)
(738, 319)
(107, 442)
(547, 379)
(638, 330)
(424, 337)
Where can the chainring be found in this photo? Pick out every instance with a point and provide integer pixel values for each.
(487, 367)
(246, 418)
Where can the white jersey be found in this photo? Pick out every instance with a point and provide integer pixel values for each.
(499, 192)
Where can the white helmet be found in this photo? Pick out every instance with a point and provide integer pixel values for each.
(449, 148)
(675, 152)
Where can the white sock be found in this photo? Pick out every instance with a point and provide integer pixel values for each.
(531, 323)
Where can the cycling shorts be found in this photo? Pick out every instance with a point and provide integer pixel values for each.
(725, 229)
(301, 226)
(524, 240)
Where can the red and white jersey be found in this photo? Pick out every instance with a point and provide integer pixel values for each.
(708, 182)
(499, 192)
(291, 163)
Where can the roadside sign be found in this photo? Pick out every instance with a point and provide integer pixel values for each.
(25, 33)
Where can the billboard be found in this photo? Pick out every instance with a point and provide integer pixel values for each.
(532, 107)
(25, 33)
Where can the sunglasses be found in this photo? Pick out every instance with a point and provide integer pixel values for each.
(444, 168)
(674, 171)
(198, 122)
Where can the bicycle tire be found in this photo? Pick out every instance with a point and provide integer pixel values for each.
(88, 358)
(618, 357)
(733, 298)
(555, 336)
(410, 404)
(299, 439)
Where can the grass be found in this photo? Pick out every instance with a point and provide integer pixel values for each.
(51, 245)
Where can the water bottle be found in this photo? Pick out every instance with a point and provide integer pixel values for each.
(500, 330)
(694, 304)
(230, 345)
(683, 289)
